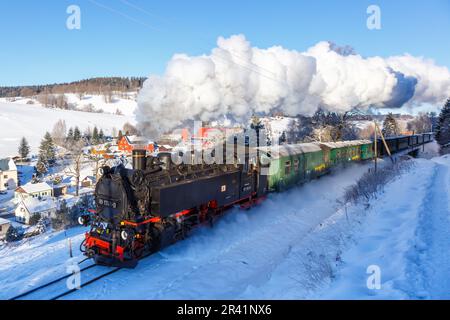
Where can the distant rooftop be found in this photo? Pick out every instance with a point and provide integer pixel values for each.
(7, 165)
(34, 187)
(36, 205)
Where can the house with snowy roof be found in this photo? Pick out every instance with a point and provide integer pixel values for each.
(87, 181)
(29, 207)
(8, 174)
(129, 143)
(69, 181)
(34, 190)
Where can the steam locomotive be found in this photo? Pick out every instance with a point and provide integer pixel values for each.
(144, 209)
(156, 203)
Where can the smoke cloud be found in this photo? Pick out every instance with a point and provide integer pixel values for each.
(237, 80)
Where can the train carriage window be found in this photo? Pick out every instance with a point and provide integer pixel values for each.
(287, 168)
(296, 165)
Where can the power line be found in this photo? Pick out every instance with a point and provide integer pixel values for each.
(100, 5)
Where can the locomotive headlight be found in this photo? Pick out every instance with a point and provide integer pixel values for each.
(83, 220)
(104, 170)
(124, 235)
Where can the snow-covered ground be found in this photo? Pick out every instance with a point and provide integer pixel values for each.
(298, 244)
(32, 121)
(406, 235)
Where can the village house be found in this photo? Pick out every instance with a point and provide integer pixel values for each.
(59, 190)
(32, 206)
(129, 143)
(34, 190)
(88, 181)
(85, 181)
(69, 181)
(8, 174)
(4, 226)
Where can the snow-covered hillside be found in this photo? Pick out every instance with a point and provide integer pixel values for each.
(123, 104)
(297, 244)
(32, 121)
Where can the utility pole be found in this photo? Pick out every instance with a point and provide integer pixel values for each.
(375, 143)
(377, 129)
(70, 248)
(384, 141)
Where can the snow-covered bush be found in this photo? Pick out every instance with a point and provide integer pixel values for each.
(372, 182)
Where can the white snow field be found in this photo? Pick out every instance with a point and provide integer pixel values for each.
(301, 244)
(32, 121)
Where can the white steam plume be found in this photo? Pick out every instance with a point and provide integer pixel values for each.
(237, 80)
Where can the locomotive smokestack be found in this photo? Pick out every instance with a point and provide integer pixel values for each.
(139, 159)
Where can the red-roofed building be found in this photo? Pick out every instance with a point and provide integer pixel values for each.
(129, 143)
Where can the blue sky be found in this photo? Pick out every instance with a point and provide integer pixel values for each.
(139, 39)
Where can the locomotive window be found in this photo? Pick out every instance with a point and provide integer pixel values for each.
(287, 168)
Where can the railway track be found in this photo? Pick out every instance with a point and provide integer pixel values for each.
(57, 288)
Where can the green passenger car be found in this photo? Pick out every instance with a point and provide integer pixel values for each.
(293, 164)
(367, 151)
(341, 152)
(298, 163)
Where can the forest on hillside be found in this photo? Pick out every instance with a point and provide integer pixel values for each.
(105, 86)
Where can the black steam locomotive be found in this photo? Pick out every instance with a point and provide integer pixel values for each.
(141, 210)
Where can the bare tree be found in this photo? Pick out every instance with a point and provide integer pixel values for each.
(44, 99)
(108, 95)
(97, 159)
(61, 101)
(74, 170)
(26, 92)
(59, 132)
(421, 124)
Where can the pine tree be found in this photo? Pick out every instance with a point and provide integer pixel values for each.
(34, 219)
(24, 148)
(390, 126)
(47, 153)
(74, 214)
(88, 135)
(12, 235)
(61, 219)
(95, 136)
(443, 125)
(101, 136)
(76, 134)
(41, 166)
(70, 135)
